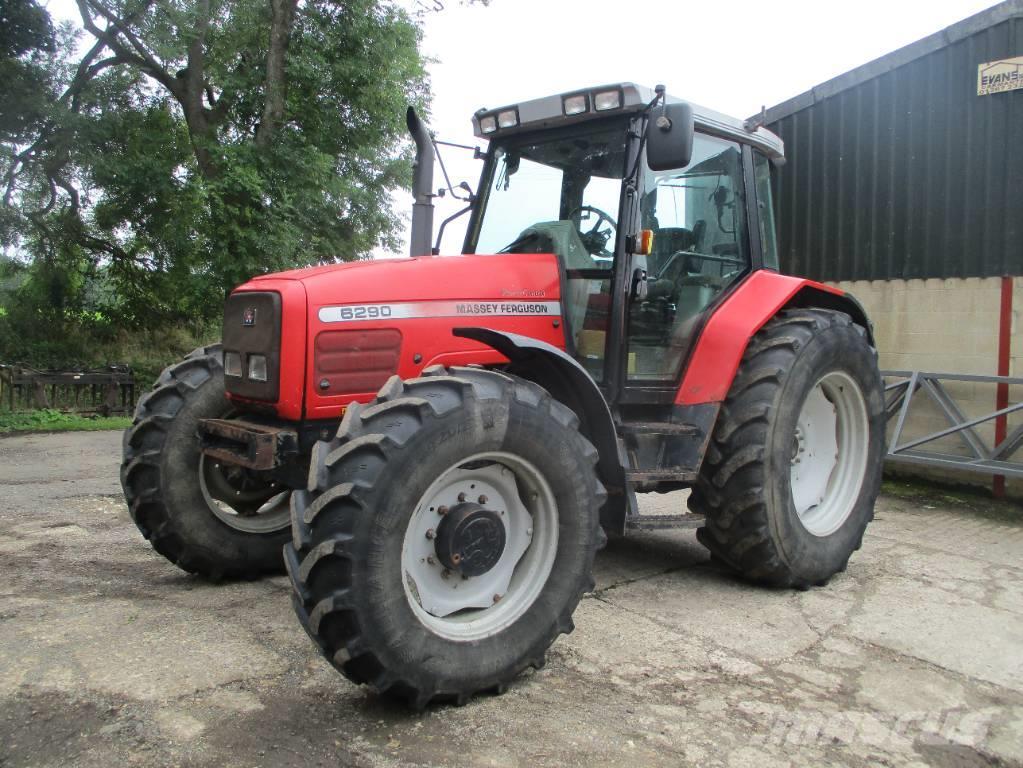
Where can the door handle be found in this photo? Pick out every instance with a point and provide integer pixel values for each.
(640, 288)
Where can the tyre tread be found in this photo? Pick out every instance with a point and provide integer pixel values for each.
(334, 481)
(729, 491)
(143, 445)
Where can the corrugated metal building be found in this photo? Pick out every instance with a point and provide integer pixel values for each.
(899, 169)
(904, 185)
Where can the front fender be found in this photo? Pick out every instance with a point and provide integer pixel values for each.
(569, 383)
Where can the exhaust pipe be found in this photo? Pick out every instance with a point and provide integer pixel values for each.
(422, 187)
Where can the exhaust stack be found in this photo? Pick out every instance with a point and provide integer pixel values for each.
(422, 187)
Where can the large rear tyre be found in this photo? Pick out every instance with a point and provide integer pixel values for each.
(219, 521)
(793, 469)
(447, 535)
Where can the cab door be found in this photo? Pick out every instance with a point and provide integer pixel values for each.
(701, 248)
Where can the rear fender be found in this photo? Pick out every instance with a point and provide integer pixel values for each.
(811, 295)
(760, 297)
(569, 383)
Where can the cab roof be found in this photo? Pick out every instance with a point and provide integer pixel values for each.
(550, 111)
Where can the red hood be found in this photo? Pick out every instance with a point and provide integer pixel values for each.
(521, 275)
(425, 299)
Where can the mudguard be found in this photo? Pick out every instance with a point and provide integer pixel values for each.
(568, 382)
(720, 348)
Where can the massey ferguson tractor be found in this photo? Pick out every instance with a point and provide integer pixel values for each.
(440, 444)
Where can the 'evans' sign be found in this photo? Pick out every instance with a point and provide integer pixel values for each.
(999, 76)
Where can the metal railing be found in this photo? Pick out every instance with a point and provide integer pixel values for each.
(996, 458)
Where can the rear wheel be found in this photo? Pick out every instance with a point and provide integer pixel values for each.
(447, 536)
(206, 517)
(793, 470)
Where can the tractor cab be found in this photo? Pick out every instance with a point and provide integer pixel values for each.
(644, 254)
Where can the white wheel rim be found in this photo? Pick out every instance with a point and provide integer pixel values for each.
(273, 515)
(471, 608)
(829, 453)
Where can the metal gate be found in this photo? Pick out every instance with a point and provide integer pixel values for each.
(902, 388)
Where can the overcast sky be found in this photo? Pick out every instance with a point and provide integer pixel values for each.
(730, 56)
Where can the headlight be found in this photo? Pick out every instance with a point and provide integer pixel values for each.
(607, 100)
(232, 364)
(257, 367)
(575, 105)
(508, 119)
(488, 124)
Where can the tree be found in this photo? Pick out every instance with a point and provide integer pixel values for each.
(25, 35)
(189, 144)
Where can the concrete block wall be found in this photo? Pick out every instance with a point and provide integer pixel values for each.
(947, 326)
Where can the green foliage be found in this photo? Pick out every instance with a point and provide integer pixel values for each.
(147, 171)
(26, 37)
(95, 344)
(49, 420)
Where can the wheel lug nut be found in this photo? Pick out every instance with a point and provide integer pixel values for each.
(446, 574)
(497, 598)
(430, 534)
(461, 497)
(443, 510)
(482, 499)
(430, 559)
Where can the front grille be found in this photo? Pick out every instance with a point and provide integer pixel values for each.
(252, 326)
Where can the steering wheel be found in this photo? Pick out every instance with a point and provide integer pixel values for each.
(595, 240)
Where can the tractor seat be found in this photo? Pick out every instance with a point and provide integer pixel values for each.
(558, 237)
(562, 239)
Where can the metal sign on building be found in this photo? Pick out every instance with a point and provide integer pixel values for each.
(1000, 76)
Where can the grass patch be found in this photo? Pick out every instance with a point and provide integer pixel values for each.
(49, 420)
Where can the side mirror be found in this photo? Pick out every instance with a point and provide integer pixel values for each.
(669, 137)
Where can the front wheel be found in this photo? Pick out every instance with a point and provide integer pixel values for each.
(447, 536)
(793, 470)
(206, 517)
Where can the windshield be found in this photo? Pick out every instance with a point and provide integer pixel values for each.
(557, 195)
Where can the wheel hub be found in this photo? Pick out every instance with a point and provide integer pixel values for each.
(470, 539)
(479, 545)
(243, 499)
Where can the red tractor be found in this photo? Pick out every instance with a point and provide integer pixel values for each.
(440, 444)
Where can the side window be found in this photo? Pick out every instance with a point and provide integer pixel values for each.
(701, 246)
(765, 207)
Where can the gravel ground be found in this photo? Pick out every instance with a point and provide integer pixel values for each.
(109, 656)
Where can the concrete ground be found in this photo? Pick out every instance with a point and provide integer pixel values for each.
(109, 656)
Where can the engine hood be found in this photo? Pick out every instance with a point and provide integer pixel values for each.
(346, 328)
(426, 278)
